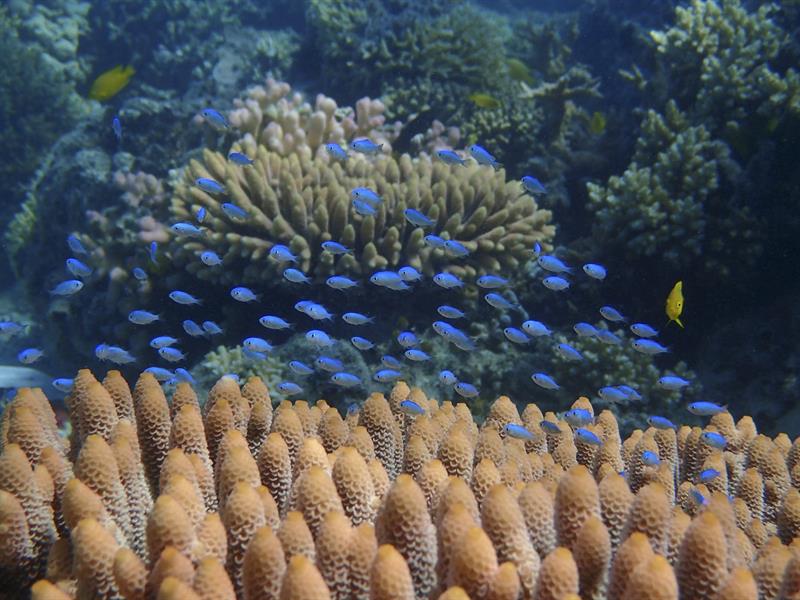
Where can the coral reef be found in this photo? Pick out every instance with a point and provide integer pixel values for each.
(153, 496)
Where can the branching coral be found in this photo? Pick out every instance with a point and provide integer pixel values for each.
(214, 527)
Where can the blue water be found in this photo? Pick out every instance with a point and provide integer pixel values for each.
(654, 161)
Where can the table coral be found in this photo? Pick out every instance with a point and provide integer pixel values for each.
(66, 506)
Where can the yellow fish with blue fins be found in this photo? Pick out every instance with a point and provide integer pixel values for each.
(674, 305)
(110, 83)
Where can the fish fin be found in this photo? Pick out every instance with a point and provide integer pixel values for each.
(678, 321)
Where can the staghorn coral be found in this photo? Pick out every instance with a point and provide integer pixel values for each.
(517, 545)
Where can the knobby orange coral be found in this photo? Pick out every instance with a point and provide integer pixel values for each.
(156, 497)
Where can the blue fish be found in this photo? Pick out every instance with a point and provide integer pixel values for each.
(160, 373)
(184, 375)
(455, 249)
(300, 368)
(361, 343)
(209, 185)
(567, 352)
(555, 283)
(714, 439)
(273, 322)
(67, 288)
(518, 432)
(192, 328)
(553, 264)
(549, 426)
(327, 363)
(200, 215)
(77, 268)
(698, 497)
(465, 390)
(660, 422)
(210, 258)
(648, 347)
(454, 335)
(631, 393)
(139, 273)
(447, 378)
(186, 229)
(706, 409)
(340, 282)
(447, 280)
(243, 294)
(116, 127)
(450, 157)
(536, 328)
(389, 279)
(114, 354)
(407, 339)
(346, 380)
(585, 329)
(387, 375)
(434, 241)
(296, 276)
(587, 437)
(215, 118)
(366, 146)
(162, 341)
(595, 271)
(607, 337)
(611, 314)
(335, 247)
(543, 380)
(171, 354)
(672, 382)
(30, 355)
(63, 384)
(517, 336)
(282, 254)
(234, 212)
(211, 328)
(450, 312)
(610, 393)
(254, 354)
(142, 317)
(643, 330)
(336, 152)
(536, 250)
(409, 274)
(416, 355)
(313, 310)
(410, 407)
(180, 297)
(318, 338)
(354, 318)
(365, 209)
(257, 344)
(153, 252)
(498, 301)
(240, 159)
(708, 475)
(390, 362)
(11, 328)
(415, 217)
(75, 244)
(289, 388)
(491, 281)
(365, 194)
(482, 156)
(533, 186)
(578, 417)
(650, 458)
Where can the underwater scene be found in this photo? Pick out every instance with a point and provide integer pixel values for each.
(394, 299)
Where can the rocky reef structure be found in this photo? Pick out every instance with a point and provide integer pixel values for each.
(156, 497)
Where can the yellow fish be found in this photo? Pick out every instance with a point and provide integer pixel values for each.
(484, 100)
(518, 71)
(674, 306)
(110, 83)
(597, 124)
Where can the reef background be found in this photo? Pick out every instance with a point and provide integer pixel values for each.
(694, 174)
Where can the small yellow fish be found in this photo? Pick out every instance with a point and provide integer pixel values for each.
(518, 71)
(111, 82)
(674, 306)
(597, 124)
(484, 100)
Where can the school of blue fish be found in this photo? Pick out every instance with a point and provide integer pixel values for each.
(557, 277)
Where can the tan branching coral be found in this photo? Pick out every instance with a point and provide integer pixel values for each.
(263, 518)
